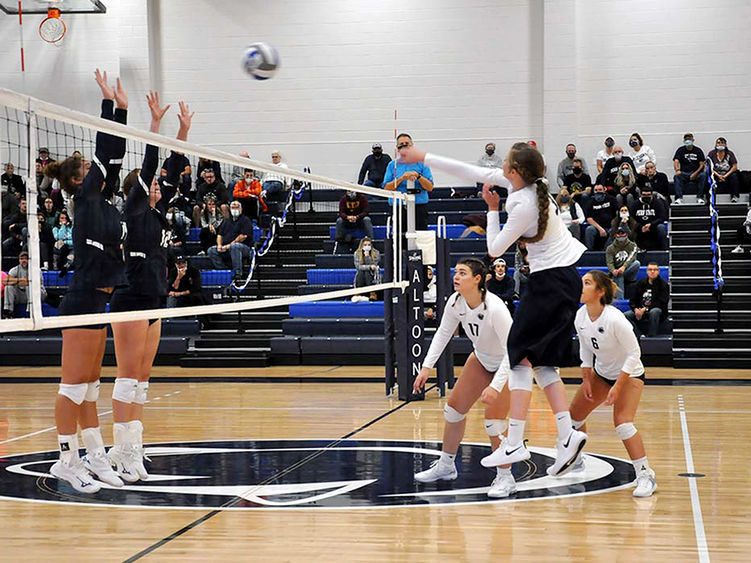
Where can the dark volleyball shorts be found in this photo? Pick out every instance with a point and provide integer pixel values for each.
(84, 302)
(544, 320)
(611, 382)
(124, 300)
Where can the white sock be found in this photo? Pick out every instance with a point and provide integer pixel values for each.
(92, 439)
(121, 434)
(563, 422)
(515, 431)
(503, 471)
(447, 458)
(577, 424)
(135, 427)
(640, 464)
(68, 444)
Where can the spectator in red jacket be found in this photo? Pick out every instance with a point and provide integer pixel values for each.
(353, 214)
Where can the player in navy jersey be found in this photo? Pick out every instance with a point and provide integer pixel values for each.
(136, 342)
(612, 372)
(540, 338)
(98, 270)
(487, 321)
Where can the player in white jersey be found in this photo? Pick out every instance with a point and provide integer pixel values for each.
(540, 338)
(612, 372)
(487, 321)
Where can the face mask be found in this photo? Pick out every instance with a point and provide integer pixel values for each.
(577, 169)
(688, 143)
(169, 216)
(621, 240)
(625, 172)
(489, 152)
(565, 199)
(624, 215)
(248, 179)
(599, 196)
(634, 143)
(646, 198)
(351, 195)
(609, 143)
(235, 212)
(570, 154)
(720, 147)
(617, 156)
(367, 248)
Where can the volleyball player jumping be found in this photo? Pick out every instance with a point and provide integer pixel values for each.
(612, 371)
(540, 337)
(136, 342)
(487, 321)
(98, 270)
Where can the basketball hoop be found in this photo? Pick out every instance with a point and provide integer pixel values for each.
(52, 29)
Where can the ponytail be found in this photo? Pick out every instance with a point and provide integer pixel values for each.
(65, 172)
(543, 210)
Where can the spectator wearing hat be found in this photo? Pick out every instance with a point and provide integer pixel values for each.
(373, 167)
(184, 285)
(215, 188)
(501, 284)
(605, 154)
(725, 168)
(353, 215)
(17, 286)
(42, 160)
(620, 258)
(650, 214)
(649, 302)
(689, 164)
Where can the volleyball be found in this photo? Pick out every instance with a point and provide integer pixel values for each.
(261, 61)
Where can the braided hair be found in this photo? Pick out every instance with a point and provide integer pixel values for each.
(528, 162)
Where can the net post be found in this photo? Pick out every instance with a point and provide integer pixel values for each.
(445, 364)
(32, 226)
(410, 329)
(388, 318)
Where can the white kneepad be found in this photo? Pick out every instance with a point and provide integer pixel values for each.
(76, 392)
(520, 378)
(495, 426)
(142, 390)
(125, 389)
(92, 391)
(452, 415)
(546, 375)
(626, 430)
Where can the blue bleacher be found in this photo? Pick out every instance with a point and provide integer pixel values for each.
(52, 279)
(379, 231)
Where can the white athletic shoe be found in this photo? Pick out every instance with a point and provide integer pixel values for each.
(76, 475)
(734, 200)
(139, 459)
(568, 451)
(678, 201)
(645, 483)
(737, 250)
(123, 459)
(506, 454)
(700, 201)
(438, 471)
(98, 464)
(578, 465)
(502, 486)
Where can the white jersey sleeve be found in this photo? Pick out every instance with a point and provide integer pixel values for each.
(446, 329)
(630, 345)
(586, 353)
(467, 171)
(520, 219)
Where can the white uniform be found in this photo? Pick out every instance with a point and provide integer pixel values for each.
(642, 157)
(487, 326)
(556, 249)
(608, 344)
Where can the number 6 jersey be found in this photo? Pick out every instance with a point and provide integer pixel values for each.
(608, 343)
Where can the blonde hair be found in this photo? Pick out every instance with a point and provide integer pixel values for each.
(530, 165)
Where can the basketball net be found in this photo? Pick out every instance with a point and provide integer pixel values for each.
(52, 29)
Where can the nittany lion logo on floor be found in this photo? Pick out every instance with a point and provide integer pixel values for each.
(311, 474)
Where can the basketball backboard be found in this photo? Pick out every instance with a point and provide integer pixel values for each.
(65, 6)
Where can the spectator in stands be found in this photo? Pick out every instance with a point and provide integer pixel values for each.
(689, 164)
(248, 191)
(650, 214)
(490, 159)
(566, 166)
(744, 233)
(178, 234)
(501, 284)
(184, 285)
(571, 213)
(649, 302)
(63, 246)
(624, 219)
(46, 241)
(521, 269)
(475, 223)
(17, 286)
(625, 185)
(233, 240)
(205, 164)
(50, 212)
(11, 181)
(275, 185)
(13, 230)
(373, 167)
(578, 183)
(611, 169)
(605, 154)
(640, 153)
(620, 258)
(9, 203)
(725, 169)
(368, 271)
(601, 211)
(210, 222)
(183, 187)
(42, 161)
(211, 186)
(353, 215)
(416, 172)
(430, 293)
(657, 181)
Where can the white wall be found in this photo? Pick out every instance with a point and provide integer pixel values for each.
(459, 73)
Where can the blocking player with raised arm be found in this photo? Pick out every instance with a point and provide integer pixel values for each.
(612, 372)
(540, 338)
(487, 321)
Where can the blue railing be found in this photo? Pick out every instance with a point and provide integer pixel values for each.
(714, 232)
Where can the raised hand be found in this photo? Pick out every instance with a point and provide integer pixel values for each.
(157, 112)
(108, 92)
(491, 197)
(412, 154)
(121, 96)
(185, 117)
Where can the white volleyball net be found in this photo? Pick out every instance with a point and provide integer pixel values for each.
(296, 253)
